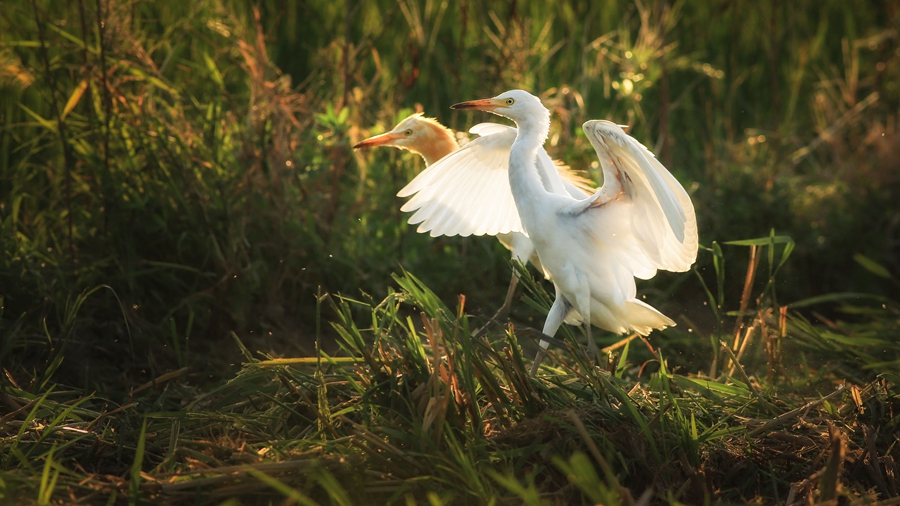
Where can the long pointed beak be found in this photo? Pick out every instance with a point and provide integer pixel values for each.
(484, 104)
(378, 140)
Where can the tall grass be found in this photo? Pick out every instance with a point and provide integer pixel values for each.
(414, 409)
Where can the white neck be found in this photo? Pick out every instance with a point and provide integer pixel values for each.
(524, 180)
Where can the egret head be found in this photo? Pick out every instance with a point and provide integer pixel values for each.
(517, 105)
(418, 134)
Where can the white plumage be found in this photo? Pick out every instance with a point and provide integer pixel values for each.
(465, 190)
(639, 221)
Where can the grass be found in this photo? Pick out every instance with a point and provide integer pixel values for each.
(206, 297)
(413, 410)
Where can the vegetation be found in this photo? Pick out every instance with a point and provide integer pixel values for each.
(177, 188)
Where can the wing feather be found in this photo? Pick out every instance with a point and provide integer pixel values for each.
(485, 129)
(467, 192)
(450, 206)
(663, 227)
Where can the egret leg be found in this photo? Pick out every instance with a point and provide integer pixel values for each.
(554, 319)
(504, 309)
(507, 303)
(583, 305)
(592, 346)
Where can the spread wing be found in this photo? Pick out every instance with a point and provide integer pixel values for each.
(663, 225)
(467, 192)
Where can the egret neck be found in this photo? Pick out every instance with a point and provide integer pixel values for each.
(524, 180)
(439, 143)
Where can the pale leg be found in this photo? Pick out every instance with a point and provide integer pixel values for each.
(504, 309)
(592, 346)
(584, 307)
(522, 249)
(554, 319)
(507, 303)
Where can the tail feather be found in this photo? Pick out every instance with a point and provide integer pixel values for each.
(643, 318)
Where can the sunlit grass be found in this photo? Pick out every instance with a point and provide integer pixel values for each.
(413, 408)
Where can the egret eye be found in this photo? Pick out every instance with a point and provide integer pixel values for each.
(510, 101)
(408, 133)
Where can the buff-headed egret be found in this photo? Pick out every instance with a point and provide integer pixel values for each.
(639, 221)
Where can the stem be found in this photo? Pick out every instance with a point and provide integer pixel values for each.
(348, 11)
(61, 126)
(86, 58)
(773, 65)
(107, 106)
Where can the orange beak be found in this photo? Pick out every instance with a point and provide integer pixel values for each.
(484, 104)
(378, 140)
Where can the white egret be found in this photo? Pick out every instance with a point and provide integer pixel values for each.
(639, 221)
(445, 201)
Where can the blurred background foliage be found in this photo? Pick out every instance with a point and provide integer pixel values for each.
(194, 158)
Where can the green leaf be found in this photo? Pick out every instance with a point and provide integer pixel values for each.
(836, 297)
(719, 262)
(710, 386)
(44, 122)
(872, 266)
(762, 241)
(134, 488)
(48, 481)
(282, 488)
(893, 378)
(213, 70)
(75, 97)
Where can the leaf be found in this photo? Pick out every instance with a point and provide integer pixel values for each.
(134, 488)
(48, 483)
(152, 80)
(213, 70)
(73, 38)
(835, 297)
(44, 122)
(788, 248)
(75, 97)
(872, 266)
(762, 241)
(281, 487)
(893, 378)
(719, 262)
(22, 43)
(710, 386)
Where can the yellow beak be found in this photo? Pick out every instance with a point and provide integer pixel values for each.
(484, 104)
(378, 140)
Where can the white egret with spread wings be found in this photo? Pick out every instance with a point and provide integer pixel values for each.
(639, 221)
